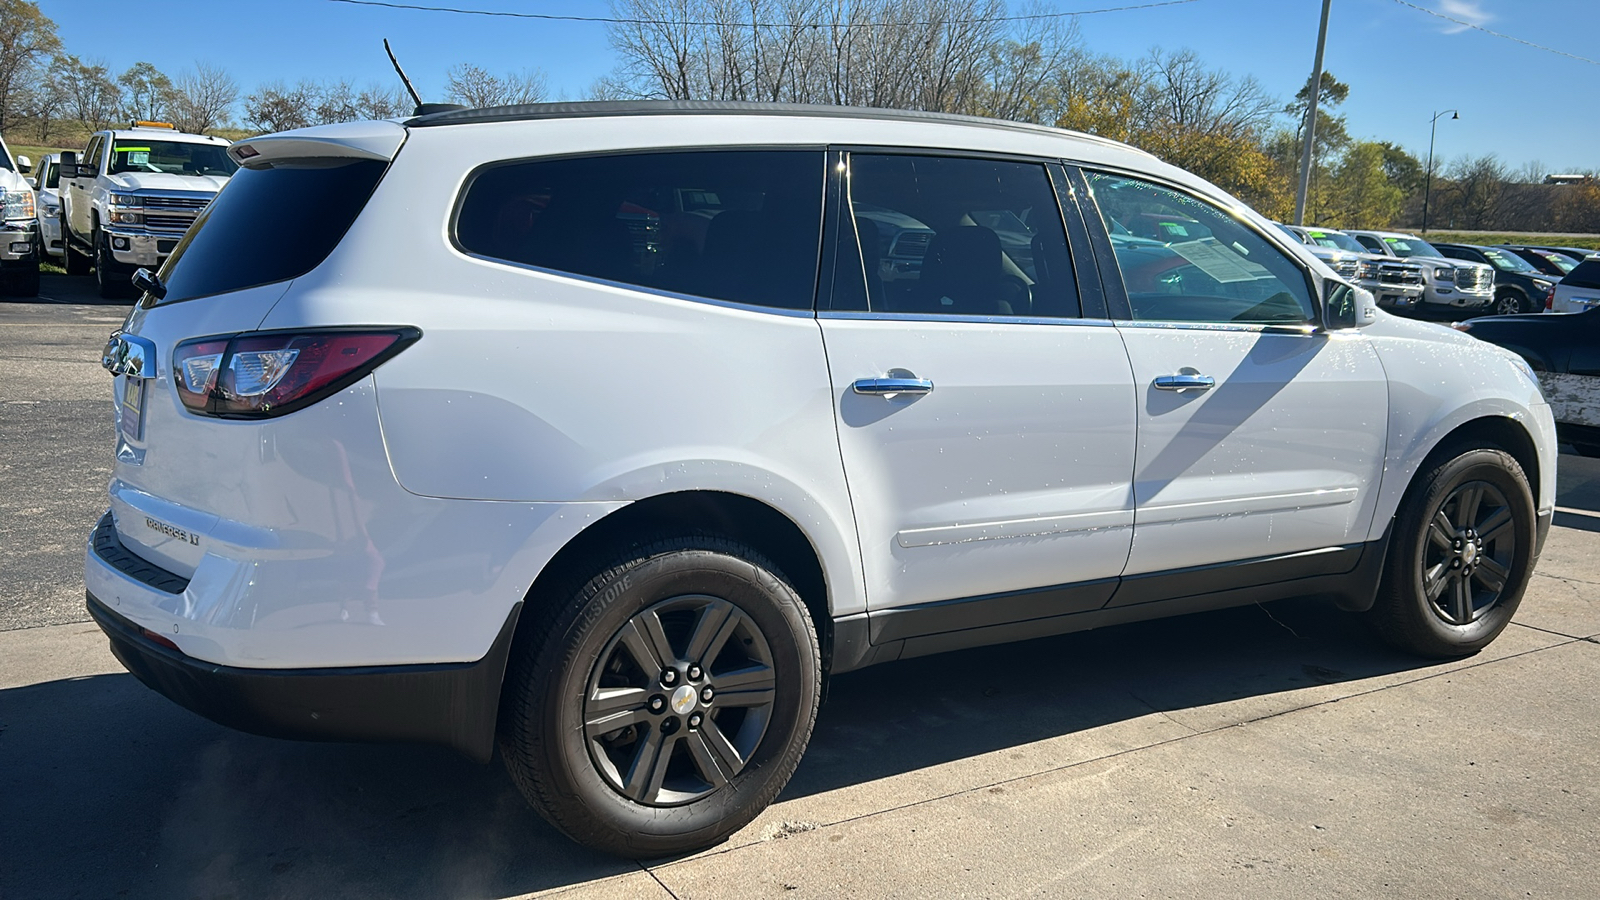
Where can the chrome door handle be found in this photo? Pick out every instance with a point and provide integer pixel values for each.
(889, 387)
(1181, 383)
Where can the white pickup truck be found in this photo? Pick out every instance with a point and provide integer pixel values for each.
(19, 232)
(128, 199)
(1452, 286)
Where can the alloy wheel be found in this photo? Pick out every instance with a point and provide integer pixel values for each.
(679, 700)
(1467, 558)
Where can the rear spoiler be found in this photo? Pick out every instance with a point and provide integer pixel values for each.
(350, 140)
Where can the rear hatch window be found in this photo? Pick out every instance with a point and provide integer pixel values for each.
(1586, 275)
(270, 224)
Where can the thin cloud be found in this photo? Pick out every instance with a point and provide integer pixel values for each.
(1466, 10)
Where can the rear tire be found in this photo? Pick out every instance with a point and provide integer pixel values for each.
(1460, 558)
(676, 773)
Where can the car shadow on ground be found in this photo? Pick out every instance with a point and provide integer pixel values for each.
(112, 791)
(76, 289)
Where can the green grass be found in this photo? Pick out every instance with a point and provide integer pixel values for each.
(1589, 241)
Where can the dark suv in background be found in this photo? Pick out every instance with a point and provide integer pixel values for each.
(1518, 286)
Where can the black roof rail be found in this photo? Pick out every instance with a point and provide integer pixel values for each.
(605, 108)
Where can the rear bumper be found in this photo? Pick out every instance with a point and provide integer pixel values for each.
(453, 704)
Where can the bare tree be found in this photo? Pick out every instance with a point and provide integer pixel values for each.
(1475, 191)
(377, 102)
(474, 86)
(87, 91)
(27, 40)
(146, 92)
(203, 98)
(275, 106)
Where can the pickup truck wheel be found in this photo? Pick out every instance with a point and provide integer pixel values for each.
(112, 285)
(666, 703)
(1460, 558)
(76, 262)
(1508, 303)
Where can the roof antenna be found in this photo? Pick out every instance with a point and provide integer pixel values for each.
(422, 108)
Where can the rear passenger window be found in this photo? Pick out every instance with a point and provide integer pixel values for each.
(1586, 275)
(730, 225)
(1184, 260)
(954, 236)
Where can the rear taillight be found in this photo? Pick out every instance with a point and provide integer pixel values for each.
(269, 373)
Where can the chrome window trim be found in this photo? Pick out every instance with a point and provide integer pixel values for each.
(968, 319)
(807, 313)
(1252, 327)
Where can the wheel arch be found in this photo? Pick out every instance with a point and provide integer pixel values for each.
(1499, 431)
(746, 519)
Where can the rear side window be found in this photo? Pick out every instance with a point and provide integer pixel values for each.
(1586, 275)
(732, 225)
(269, 225)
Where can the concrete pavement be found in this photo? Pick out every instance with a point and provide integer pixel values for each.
(1265, 751)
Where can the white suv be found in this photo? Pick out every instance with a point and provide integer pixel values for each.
(610, 431)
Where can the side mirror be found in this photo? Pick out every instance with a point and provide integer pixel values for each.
(24, 164)
(69, 164)
(1347, 306)
(148, 283)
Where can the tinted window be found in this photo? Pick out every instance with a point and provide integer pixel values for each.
(730, 225)
(955, 236)
(270, 225)
(1586, 275)
(1371, 243)
(1184, 260)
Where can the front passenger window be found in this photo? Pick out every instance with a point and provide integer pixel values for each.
(1185, 260)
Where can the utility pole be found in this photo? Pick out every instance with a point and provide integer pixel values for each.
(1311, 120)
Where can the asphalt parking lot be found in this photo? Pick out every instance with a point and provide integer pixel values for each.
(1269, 751)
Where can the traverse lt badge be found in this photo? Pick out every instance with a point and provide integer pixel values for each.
(170, 531)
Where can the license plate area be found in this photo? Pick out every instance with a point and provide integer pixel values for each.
(131, 402)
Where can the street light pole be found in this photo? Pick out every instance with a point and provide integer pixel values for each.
(1311, 120)
(1427, 190)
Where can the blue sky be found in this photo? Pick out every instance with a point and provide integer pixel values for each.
(1402, 65)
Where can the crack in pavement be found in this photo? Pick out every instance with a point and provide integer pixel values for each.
(1131, 750)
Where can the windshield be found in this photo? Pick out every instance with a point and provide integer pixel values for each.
(1412, 247)
(1338, 240)
(137, 154)
(1509, 262)
(1564, 263)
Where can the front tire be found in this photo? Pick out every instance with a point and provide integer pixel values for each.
(76, 263)
(665, 705)
(1508, 303)
(111, 285)
(1461, 557)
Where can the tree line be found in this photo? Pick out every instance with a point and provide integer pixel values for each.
(957, 56)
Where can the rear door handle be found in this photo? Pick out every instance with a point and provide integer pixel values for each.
(889, 387)
(1186, 382)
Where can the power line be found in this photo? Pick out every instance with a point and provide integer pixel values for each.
(1466, 24)
(610, 20)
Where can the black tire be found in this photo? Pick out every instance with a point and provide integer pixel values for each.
(112, 284)
(569, 655)
(1490, 541)
(21, 283)
(1509, 303)
(76, 262)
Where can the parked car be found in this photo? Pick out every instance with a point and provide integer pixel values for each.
(1550, 262)
(19, 228)
(128, 199)
(46, 187)
(1396, 283)
(1578, 290)
(1452, 285)
(1518, 286)
(1577, 253)
(624, 511)
(1564, 350)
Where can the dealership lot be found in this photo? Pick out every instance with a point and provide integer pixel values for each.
(1276, 751)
